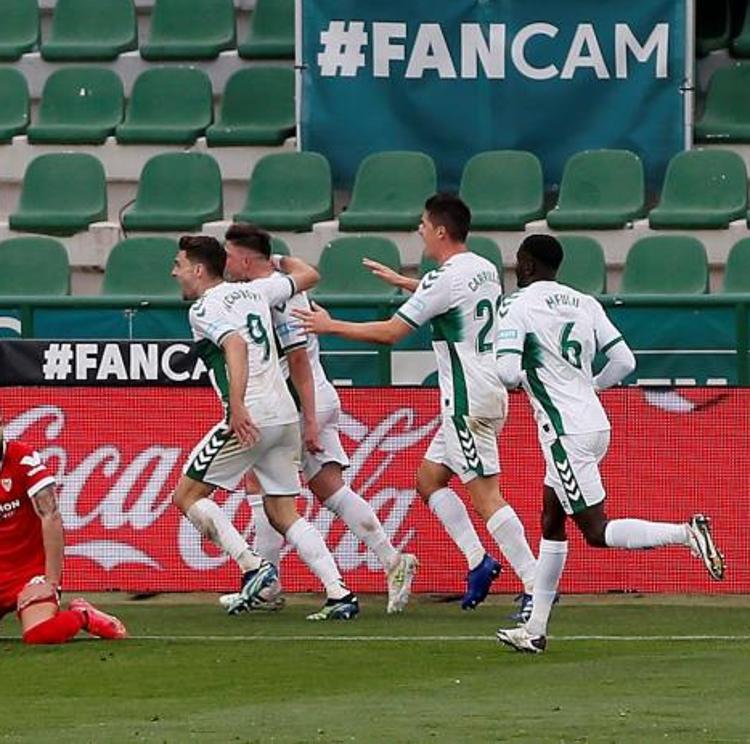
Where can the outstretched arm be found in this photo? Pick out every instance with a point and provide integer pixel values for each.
(319, 321)
(304, 276)
(389, 276)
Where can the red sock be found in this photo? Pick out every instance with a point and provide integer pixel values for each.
(58, 629)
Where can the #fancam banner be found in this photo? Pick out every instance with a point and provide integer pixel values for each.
(456, 78)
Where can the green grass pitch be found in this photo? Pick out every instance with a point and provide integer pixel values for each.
(617, 670)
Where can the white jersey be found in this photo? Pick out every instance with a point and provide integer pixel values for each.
(557, 331)
(243, 307)
(460, 298)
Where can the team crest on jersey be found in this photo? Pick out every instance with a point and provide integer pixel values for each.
(7, 484)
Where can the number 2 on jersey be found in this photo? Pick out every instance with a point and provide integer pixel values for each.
(485, 310)
(570, 349)
(258, 334)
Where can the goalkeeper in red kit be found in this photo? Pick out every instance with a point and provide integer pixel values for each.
(31, 553)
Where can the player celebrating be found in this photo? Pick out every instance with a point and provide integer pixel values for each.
(460, 299)
(547, 337)
(31, 554)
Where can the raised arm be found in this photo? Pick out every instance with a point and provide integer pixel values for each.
(389, 276)
(304, 276)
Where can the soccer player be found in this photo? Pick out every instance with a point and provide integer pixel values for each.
(31, 554)
(231, 325)
(460, 299)
(547, 337)
(323, 458)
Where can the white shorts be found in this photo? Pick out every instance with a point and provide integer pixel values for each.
(220, 460)
(573, 468)
(328, 435)
(467, 446)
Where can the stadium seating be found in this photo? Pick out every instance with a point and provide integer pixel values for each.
(712, 26)
(270, 31)
(19, 30)
(34, 266)
(176, 191)
(485, 247)
(62, 193)
(342, 272)
(14, 111)
(79, 105)
(89, 30)
(389, 193)
(737, 270)
(702, 189)
(666, 264)
(583, 266)
(726, 117)
(168, 105)
(741, 43)
(190, 29)
(242, 121)
(600, 189)
(141, 266)
(289, 191)
(504, 189)
(279, 247)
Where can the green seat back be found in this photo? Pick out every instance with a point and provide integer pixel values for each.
(702, 189)
(342, 272)
(190, 29)
(242, 121)
(737, 270)
(390, 190)
(62, 193)
(168, 105)
(484, 247)
(726, 117)
(91, 30)
(666, 264)
(176, 191)
(270, 31)
(289, 191)
(741, 43)
(34, 266)
(279, 247)
(504, 189)
(79, 105)
(141, 266)
(601, 189)
(583, 266)
(14, 112)
(19, 29)
(712, 26)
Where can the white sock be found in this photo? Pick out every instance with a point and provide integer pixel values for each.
(268, 542)
(312, 549)
(361, 519)
(450, 510)
(549, 568)
(507, 529)
(208, 518)
(638, 533)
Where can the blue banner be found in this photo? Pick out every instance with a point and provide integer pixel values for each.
(456, 78)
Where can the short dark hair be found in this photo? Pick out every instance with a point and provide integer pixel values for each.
(545, 249)
(249, 236)
(204, 249)
(450, 212)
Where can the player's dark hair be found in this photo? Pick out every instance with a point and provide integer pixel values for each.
(249, 236)
(544, 249)
(204, 249)
(450, 212)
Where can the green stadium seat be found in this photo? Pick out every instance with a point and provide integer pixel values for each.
(14, 111)
(62, 194)
(270, 31)
(141, 266)
(712, 26)
(342, 272)
(19, 30)
(600, 189)
(242, 121)
(79, 105)
(737, 270)
(390, 191)
(90, 30)
(34, 266)
(666, 264)
(176, 191)
(168, 105)
(583, 266)
(279, 247)
(190, 29)
(726, 117)
(504, 189)
(485, 247)
(703, 189)
(741, 43)
(289, 191)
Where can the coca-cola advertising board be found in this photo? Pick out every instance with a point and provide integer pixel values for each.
(118, 452)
